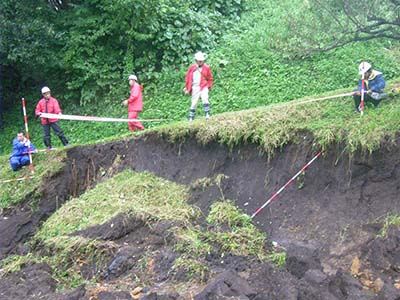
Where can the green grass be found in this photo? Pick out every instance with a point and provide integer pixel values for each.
(127, 192)
(194, 269)
(45, 165)
(14, 263)
(245, 77)
(278, 258)
(153, 199)
(228, 231)
(143, 195)
(391, 219)
(272, 127)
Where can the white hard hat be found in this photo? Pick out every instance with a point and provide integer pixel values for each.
(200, 56)
(45, 89)
(132, 77)
(364, 67)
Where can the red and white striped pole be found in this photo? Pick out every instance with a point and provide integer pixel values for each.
(362, 91)
(287, 183)
(31, 167)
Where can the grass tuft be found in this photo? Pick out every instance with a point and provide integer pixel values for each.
(274, 126)
(390, 220)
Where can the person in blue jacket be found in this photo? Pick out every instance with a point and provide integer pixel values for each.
(374, 83)
(20, 155)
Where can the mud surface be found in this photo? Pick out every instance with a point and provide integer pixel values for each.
(326, 221)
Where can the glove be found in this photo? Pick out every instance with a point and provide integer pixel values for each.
(375, 95)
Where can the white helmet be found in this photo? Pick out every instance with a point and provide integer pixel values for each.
(45, 89)
(200, 56)
(132, 77)
(364, 67)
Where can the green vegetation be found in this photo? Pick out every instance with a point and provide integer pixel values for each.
(228, 231)
(91, 46)
(127, 192)
(391, 219)
(46, 164)
(142, 195)
(152, 199)
(245, 77)
(278, 258)
(272, 127)
(194, 269)
(14, 263)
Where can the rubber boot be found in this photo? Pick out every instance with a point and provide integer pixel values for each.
(192, 114)
(207, 110)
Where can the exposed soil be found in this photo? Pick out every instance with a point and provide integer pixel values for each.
(328, 222)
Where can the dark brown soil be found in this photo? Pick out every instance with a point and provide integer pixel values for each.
(328, 222)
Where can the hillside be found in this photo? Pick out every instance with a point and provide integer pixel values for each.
(168, 213)
(173, 233)
(245, 77)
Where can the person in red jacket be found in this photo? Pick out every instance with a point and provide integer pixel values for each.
(199, 81)
(49, 105)
(134, 103)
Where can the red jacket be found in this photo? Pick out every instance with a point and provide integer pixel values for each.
(52, 108)
(135, 102)
(206, 77)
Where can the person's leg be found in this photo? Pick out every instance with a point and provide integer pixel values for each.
(134, 125)
(357, 101)
(195, 100)
(14, 163)
(24, 160)
(58, 131)
(131, 125)
(375, 102)
(206, 103)
(46, 135)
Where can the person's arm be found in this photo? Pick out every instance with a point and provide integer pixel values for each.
(188, 80)
(57, 109)
(379, 84)
(210, 79)
(31, 147)
(38, 110)
(18, 147)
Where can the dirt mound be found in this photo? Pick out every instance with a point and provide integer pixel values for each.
(80, 173)
(323, 220)
(34, 282)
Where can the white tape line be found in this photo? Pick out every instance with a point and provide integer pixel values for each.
(96, 119)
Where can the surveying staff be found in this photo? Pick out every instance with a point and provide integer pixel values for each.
(199, 81)
(134, 103)
(374, 83)
(49, 105)
(20, 155)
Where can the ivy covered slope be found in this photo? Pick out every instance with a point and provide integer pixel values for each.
(252, 55)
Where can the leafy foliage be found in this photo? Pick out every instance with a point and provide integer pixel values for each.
(245, 77)
(86, 47)
(333, 24)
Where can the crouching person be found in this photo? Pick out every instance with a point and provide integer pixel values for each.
(20, 155)
(374, 83)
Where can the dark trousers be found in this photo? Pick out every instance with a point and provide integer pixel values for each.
(57, 130)
(367, 98)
